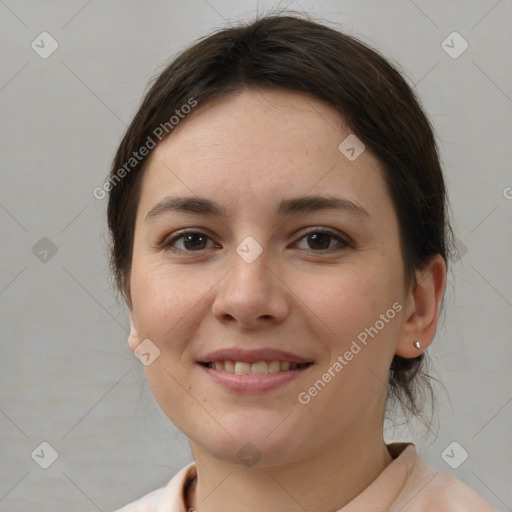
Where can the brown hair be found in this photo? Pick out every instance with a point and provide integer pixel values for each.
(374, 100)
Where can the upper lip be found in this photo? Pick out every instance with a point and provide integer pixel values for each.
(252, 356)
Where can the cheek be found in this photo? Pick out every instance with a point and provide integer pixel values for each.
(163, 296)
(347, 307)
(355, 320)
(167, 306)
(345, 300)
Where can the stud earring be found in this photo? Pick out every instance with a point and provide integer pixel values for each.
(417, 344)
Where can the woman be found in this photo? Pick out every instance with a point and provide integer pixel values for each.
(281, 237)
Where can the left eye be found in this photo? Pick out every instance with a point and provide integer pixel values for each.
(322, 240)
(194, 241)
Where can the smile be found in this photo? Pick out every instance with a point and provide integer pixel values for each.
(258, 368)
(253, 377)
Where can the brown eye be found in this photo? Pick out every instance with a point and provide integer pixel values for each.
(320, 241)
(192, 241)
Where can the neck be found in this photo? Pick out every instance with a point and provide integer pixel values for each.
(328, 480)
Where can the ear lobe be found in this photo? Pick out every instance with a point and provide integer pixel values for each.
(422, 309)
(133, 339)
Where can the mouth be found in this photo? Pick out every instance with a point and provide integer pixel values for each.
(253, 378)
(258, 368)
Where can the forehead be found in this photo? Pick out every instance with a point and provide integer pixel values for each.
(259, 146)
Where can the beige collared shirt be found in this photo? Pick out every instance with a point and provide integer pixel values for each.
(406, 485)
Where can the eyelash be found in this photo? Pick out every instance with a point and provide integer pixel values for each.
(167, 242)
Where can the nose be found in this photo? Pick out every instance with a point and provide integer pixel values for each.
(252, 293)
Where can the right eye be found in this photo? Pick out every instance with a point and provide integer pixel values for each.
(193, 241)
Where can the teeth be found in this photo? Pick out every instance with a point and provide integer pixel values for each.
(274, 367)
(240, 368)
(259, 368)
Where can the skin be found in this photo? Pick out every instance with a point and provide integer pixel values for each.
(248, 153)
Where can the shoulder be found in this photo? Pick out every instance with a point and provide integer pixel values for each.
(439, 491)
(453, 495)
(169, 497)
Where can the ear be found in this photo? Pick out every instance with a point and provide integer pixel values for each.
(133, 339)
(422, 307)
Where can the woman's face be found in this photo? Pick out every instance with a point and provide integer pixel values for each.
(324, 285)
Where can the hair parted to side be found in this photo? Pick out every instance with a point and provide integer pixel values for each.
(295, 53)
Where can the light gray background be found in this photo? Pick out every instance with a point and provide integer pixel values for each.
(67, 376)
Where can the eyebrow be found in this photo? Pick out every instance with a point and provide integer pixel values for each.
(292, 206)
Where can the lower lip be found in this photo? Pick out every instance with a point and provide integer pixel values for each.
(254, 383)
